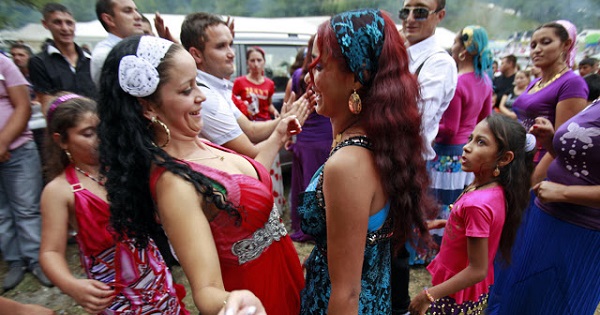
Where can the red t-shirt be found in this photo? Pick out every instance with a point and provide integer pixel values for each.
(258, 97)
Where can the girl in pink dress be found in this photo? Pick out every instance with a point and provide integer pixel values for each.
(121, 278)
(483, 219)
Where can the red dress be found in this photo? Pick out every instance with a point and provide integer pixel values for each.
(257, 95)
(142, 282)
(256, 255)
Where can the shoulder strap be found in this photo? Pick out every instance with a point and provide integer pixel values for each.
(361, 141)
(424, 61)
(202, 84)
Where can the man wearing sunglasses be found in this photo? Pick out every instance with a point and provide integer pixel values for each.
(436, 72)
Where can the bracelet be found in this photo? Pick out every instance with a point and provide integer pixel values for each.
(429, 296)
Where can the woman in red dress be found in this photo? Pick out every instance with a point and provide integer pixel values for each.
(215, 206)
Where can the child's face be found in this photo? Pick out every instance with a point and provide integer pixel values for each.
(480, 152)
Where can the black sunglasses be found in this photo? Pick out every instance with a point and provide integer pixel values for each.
(419, 14)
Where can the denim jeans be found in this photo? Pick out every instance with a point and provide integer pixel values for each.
(20, 190)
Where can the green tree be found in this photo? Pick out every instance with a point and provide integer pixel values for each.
(16, 13)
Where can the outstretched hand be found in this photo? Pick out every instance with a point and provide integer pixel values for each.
(162, 30)
(231, 25)
(242, 302)
(300, 108)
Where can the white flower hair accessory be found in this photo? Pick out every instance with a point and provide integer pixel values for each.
(530, 142)
(137, 73)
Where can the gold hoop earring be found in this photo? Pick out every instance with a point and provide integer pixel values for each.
(496, 172)
(69, 156)
(354, 103)
(462, 56)
(155, 120)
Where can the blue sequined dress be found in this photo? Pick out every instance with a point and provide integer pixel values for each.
(376, 288)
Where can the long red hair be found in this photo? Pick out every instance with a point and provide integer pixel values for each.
(392, 121)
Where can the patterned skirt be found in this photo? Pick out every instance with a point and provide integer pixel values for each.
(448, 306)
(447, 182)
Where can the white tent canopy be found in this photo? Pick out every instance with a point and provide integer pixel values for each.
(92, 32)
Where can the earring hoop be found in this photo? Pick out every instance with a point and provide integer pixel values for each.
(355, 103)
(462, 56)
(155, 120)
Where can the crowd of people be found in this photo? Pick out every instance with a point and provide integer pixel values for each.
(404, 154)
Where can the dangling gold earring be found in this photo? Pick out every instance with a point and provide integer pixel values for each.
(155, 120)
(69, 156)
(496, 172)
(462, 56)
(354, 103)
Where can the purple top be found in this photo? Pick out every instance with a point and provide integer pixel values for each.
(316, 127)
(296, 77)
(10, 76)
(543, 103)
(471, 103)
(577, 146)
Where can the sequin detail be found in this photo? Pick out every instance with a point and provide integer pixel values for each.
(448, 306)
(249, 249)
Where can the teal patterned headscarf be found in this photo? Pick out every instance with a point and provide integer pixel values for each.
(475, 40)
(360, 36)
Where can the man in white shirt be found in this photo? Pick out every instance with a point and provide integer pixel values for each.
(209, 40)
(435, 68)
(437, 75)
(120, 18)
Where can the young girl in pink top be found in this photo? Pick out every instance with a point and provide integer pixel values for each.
(483, 219)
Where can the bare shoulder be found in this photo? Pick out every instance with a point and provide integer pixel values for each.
(352, 162)
(58, 188)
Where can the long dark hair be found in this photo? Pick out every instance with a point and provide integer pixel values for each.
(127, 151)
(393, 122)
(515, 177)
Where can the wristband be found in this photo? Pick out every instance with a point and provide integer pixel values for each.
(429, 296)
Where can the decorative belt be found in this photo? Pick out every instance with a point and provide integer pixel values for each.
(251, 248)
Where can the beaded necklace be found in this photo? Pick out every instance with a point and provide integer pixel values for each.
(539, 85)
(97, 180)
(467, 189)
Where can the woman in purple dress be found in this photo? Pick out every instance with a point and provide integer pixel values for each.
(556, 270)
(310, 150)
(559, 93)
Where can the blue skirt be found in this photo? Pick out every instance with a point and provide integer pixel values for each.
(555, 269)
(447, 182)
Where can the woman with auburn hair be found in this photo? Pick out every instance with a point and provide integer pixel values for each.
(373, 187)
